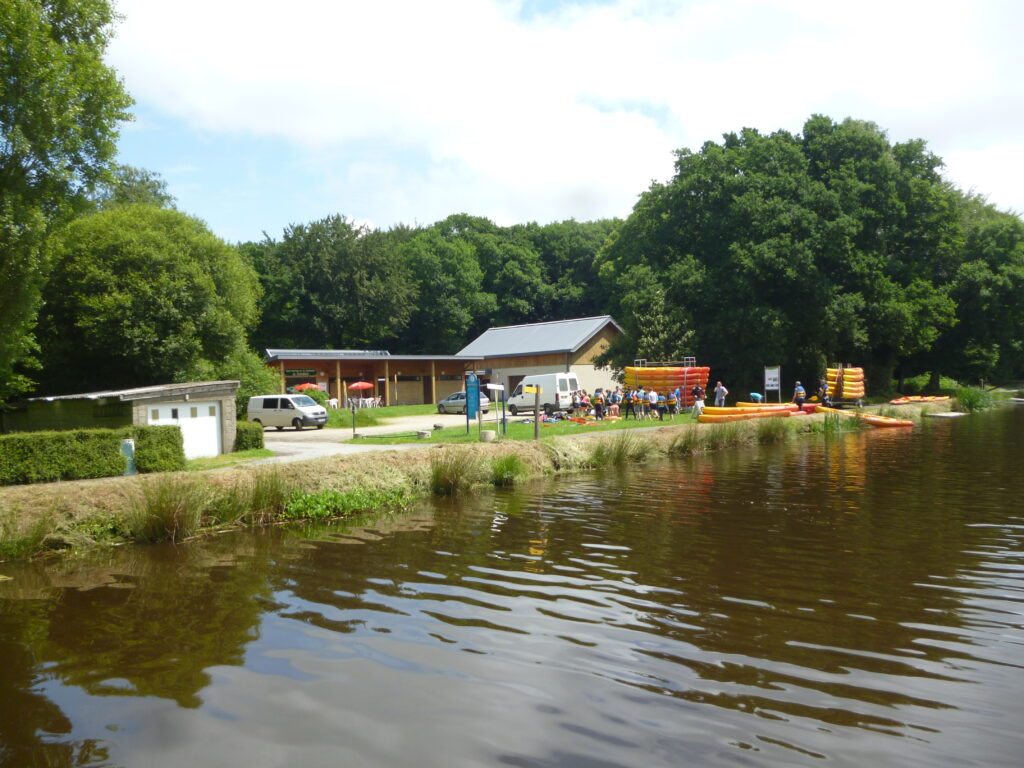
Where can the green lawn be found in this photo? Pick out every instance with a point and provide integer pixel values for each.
(227, 459)
(371, 417)
(520, 431)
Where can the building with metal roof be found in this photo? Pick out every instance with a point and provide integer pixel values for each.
(512, 352)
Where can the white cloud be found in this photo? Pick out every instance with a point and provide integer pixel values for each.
(573, 112)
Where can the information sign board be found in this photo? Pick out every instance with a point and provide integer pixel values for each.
(772, 378)
(472, 395)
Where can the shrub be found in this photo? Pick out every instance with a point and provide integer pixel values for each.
(168, 509)
(971, 399)
(248, 436)
(158, 448)
(506, 470)
(317, 394)
(76, 454)
(330, 503)
(453, 471)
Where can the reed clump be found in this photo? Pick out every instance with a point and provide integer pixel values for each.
(972, 399)
(769, 431)
(686, 443)
(453, 471)
(625, 447)
(168, 508)
(507, 470)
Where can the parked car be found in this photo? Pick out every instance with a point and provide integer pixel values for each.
(456, 403)
(286, 411)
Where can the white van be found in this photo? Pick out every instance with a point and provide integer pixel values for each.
(555, 393)
(287, 411)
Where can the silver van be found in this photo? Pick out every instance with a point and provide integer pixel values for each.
(287, 411)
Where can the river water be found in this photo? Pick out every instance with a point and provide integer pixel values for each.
(856, 601)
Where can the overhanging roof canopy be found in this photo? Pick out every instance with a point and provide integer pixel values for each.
(146, 393)
(275, 355)
(538, 338)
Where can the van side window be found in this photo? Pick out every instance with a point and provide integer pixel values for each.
(285, 403)
(563, 385)
(270, 402)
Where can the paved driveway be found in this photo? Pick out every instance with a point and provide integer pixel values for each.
(292, 445)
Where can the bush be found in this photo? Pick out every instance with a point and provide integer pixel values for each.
(330, 503)
(317, 394)
(971, 399)
(75, 454)
(158, 448)
(248, 436)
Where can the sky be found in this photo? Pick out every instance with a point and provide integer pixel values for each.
(263, 114)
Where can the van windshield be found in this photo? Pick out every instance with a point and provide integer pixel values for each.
(303, 401)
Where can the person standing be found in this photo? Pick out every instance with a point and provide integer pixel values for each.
(598, 401)
(698, 400)
(629, 405)
(720, 393)
(652, 399)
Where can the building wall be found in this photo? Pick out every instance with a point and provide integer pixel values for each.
(229, 419)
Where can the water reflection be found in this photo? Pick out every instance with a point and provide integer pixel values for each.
(859, 600)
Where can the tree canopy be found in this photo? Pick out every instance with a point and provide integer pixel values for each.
(60, 106)
(141, 295)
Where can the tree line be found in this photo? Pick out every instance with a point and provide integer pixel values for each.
(832, 244)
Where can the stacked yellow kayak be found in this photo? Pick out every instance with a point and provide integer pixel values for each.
(845, 383)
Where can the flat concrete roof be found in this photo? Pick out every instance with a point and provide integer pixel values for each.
(146, 393)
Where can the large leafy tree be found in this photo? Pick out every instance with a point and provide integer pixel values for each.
(141, 295)
(833, 245)
(59, 110)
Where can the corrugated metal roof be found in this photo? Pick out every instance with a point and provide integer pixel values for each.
(537, 338)
(144, 393)
(348, 354)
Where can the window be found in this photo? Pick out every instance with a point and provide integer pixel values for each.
(518, 391)
(270, 402)
(174, 413)
(213, 410)
(194, 412)
(286, 404)
(563, 385)
(154, 414)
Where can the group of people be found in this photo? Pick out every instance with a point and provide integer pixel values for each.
(642, 403)
(824, 395)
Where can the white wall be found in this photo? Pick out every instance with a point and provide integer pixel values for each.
(201, 433)
(589, 377)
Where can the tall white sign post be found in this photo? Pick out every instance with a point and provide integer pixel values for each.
(773, 380)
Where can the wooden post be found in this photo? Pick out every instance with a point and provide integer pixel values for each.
(396, 387)
(281, 369)
(387, 394)
(344, 389)
(536, 414)
(337, 380)
(433, 386)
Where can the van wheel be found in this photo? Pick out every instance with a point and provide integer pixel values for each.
(319, 426)
(513, 410)
(549, 409)
(297, 423)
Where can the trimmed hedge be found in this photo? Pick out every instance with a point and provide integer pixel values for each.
(78, 454)
(248, 435)
(158, 448)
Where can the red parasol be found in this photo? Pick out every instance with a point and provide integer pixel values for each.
(305, 386)
(361, 385)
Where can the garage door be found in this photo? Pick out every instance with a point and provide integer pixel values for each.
(199, 423)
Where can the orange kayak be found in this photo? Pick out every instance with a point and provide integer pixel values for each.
(710, 418)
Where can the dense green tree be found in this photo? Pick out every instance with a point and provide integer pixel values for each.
(796, 250)
(448, 279)
(141, 295)
(332, 284)
(126, 184)
(59, 110)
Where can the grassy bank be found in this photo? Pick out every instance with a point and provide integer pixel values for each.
(340, 418)
(175, 506)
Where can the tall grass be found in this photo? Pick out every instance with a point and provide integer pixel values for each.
(768, 431)
(721, 436)
(453, 471)
(686, 443)
(971, 399)
(15, 543)
(268, 497)
(507, 470)
(623, 448)
(168, 508)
